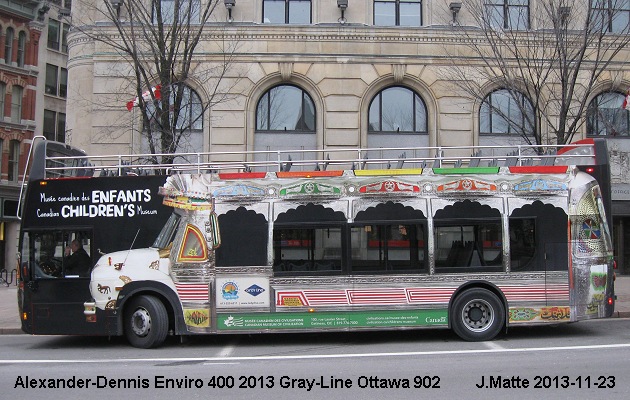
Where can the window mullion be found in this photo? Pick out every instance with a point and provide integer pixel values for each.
(506, 15)
(286, 11)
(413, 111)
(380, 112)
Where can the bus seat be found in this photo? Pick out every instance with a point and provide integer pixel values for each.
(465, 255)
(453, 254)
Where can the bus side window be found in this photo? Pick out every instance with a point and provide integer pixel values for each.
(523, 244)
(307, 250)
(50, 254)
(473, 246)
(45, 256)
(76, 259)
(388, 248)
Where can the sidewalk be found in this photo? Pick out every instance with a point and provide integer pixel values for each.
(9, 317)
(10, 320)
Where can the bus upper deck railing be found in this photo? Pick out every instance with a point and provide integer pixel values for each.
(59, 160)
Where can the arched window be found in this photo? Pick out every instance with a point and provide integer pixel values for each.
(285, 120)
(8, 46)
(506, 113)
(21, 49)
(605, 116)
(190, 111)
(397, 117)
(287, 109)
(397, 109)
(188, 128)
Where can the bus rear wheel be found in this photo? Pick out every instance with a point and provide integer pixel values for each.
(478, 315)
(146, 322)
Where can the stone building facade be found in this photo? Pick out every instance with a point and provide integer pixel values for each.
(346, 65)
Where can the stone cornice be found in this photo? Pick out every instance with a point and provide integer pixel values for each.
(327, 33)
(319, 33)
(408, 40)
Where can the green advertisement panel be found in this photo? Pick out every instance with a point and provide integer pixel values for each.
(336, 320)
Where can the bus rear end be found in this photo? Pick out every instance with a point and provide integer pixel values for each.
(591, 274)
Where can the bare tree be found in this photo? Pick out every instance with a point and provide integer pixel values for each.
(548, 56)
(160, 40)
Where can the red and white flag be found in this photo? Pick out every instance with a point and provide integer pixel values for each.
(626, 101)
(146, 96)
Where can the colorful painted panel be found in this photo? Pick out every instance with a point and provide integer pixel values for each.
(198, 317)
(544, 314)
(311, 189)
(187, 203)
(239, 191)
(466, 170)
(463, 186)
(387, 172)
(193, 248)
(389, 186)
(597, 288)
(308, 174)
(539, 186)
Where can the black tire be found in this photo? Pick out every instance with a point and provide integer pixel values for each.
(477, 315)
(146, 322)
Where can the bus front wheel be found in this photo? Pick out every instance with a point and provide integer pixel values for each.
(477, 315)
(146, 322)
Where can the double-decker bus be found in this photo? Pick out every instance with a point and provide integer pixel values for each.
(333, 240)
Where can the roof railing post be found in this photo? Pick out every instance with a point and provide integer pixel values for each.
(437, 163)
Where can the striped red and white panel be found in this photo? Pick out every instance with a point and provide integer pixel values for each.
(192, 291)
(377, 296)
(432, 295)
(535, 292)
(558, 292)
(326, 297)
(428, 295)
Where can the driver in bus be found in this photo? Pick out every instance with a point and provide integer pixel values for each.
(77, 261)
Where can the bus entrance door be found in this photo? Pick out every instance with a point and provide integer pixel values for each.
(57, 278)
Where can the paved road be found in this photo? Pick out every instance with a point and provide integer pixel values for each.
(578, 361)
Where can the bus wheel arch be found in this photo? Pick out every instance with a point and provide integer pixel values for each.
(478, 312)
(156, 290)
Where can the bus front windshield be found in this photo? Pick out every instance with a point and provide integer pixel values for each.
(167, 233)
